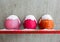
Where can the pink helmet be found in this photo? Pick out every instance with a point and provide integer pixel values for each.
(12, 22)
(30, 22)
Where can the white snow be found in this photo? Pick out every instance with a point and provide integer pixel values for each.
(12, 17)
(47, 17)
(30, 17)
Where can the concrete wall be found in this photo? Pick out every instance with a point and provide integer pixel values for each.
(37, 8)
(22, 8)
(31, 38)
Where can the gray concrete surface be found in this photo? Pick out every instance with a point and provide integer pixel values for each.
(37, 8)
(30, 38)
(22, 8)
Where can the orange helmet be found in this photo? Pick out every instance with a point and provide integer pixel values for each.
(46, 22)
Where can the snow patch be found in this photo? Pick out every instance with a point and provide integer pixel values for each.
(30, 17)
(12, 17)
(47, 17)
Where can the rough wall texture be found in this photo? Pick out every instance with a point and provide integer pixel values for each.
(31, 38)
(37, 8)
